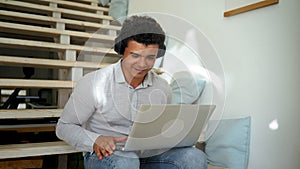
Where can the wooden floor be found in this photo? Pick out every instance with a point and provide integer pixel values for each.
(33, 162)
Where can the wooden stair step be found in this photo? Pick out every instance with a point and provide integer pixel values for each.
(29, 128)
(86, 1)
(50, 46)
(50, 63)
(30, 7)
(29, 113)
(34, 149)
(51, 32)
(34, 83)
(91, 2)
(77, 5)
(47, 20)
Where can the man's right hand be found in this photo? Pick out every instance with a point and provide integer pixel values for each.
(105, 145)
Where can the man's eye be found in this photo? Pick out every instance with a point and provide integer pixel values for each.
(151, 57)
(134, 55)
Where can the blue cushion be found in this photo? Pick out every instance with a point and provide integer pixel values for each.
(104, 2)
(118, 9)
(186, 88)
(228, 146)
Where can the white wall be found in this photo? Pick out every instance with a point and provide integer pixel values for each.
(260, 52)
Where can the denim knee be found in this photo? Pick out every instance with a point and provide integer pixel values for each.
(195, 158)
(190, 158)
(177, 158)
(114, 161)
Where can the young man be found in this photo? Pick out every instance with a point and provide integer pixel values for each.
(103, 105)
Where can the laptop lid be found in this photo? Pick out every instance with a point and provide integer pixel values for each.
(167, 126)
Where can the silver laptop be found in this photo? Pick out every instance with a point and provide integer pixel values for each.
(167, 126)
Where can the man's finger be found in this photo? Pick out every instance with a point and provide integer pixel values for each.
(97, 150)
(99, 155)
(109, 148)
(120, 139)
(104, 152)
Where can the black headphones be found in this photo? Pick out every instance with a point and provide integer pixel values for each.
(120, 46)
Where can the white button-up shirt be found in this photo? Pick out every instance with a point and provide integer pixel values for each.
(103, 103)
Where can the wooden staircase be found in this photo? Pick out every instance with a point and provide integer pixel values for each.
(69, 34)
(64, 38)
(67, 37)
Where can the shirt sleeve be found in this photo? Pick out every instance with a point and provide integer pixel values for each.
(77, 111)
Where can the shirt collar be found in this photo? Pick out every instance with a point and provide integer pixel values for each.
(119, 76)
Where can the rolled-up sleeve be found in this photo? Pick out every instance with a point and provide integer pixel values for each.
(77, 111)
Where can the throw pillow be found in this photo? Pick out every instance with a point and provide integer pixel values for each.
(228, 146)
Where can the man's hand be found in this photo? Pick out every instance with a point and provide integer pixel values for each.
(105, 145)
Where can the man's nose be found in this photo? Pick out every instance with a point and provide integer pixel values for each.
(142, 62)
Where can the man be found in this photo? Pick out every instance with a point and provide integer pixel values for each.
(103, 105)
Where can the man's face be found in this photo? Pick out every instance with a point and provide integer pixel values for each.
(138, 59)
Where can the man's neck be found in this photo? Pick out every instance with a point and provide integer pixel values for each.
(135, 82)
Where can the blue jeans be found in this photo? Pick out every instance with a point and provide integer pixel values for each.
(177, 158)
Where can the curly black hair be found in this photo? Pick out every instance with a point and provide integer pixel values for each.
(142, 29)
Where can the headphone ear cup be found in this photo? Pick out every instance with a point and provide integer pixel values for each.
(161, 51)
(118, 45)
